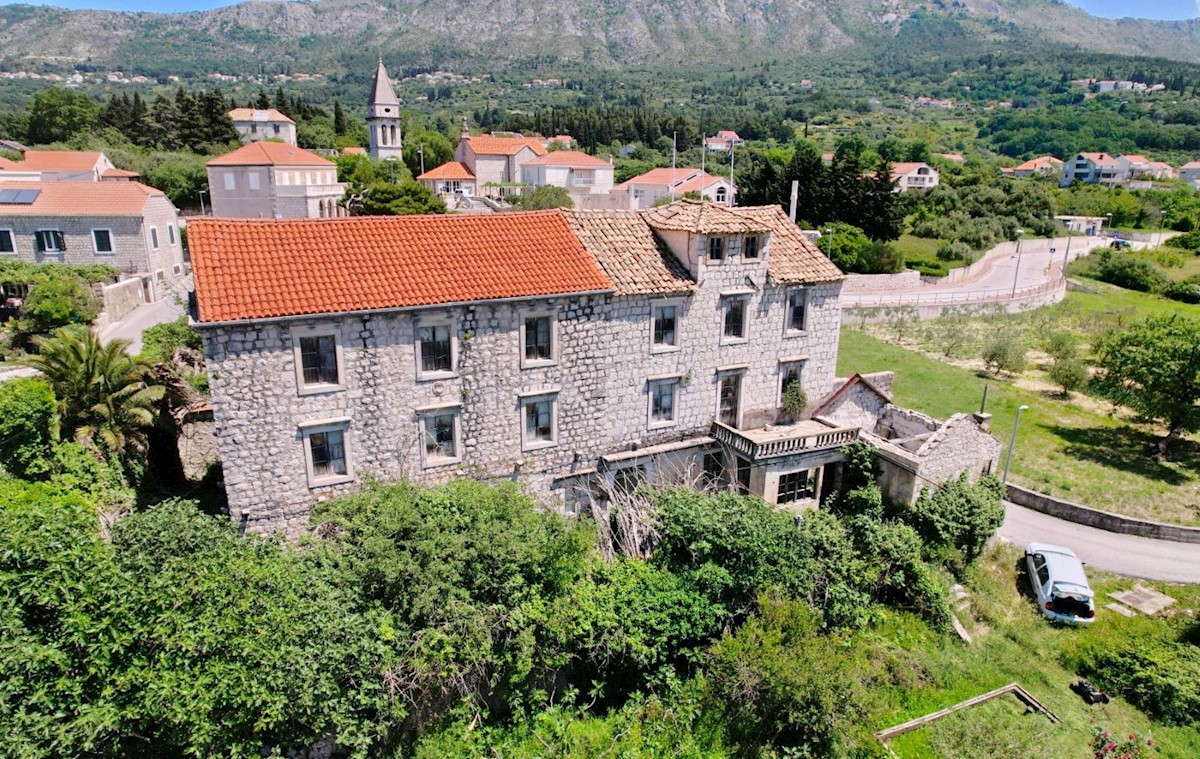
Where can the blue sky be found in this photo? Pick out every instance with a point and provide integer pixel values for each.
(1162, 9)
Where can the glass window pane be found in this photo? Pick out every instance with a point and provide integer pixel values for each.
(328, 453)
(318, 356)
(537, 339)
(439, 436)
(735, 318)
(435, 349)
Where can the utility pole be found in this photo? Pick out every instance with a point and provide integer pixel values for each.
(421, 152)
(731, 174)
(1017, 271)
(795, 195)
(674, 136)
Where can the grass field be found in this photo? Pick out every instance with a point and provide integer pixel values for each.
(1063, 448)
(920, 253)
(1014, 644)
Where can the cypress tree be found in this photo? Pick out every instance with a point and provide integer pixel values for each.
(340, 126)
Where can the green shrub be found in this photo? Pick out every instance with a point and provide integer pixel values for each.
(160, 342)
(28, 427)
(1069, 374)
(1184, 291)
(1061, 344)
(960, 515)
(1189, 241)
(1160, 677)
(1004, 351)
(955, 250)
(1132, 274)
(57, 302)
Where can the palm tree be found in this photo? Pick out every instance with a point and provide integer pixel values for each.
(104, 398)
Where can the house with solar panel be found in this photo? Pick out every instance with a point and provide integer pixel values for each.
(127, 225)
(577, 352)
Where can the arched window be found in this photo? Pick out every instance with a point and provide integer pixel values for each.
(720, 194)
(394, 135)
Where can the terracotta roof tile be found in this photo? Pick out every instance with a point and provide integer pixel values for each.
(636, 261)
(354, 151)
(573, 158)
(249, 269)
(905, 167)
(448, 170)
(267, 153)
(81, 199)
(258, 114)
(703, 217)
(118, 174)
(663, 176)
(486, 144)
(793, 259)
(60, 160)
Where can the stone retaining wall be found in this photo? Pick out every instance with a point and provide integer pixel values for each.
(1020, 304)
(1103, 520)
(881, 283)
(121, 298)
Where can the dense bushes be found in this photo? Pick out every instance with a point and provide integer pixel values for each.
(1185, 291)
(961, 517)
(160, 342)
(1160, 676)
(1120, 269)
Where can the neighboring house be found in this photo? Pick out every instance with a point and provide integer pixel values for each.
(496, 161)
(119, 175)
(724, 140)
(383, 118)
(450, 180)
(914, 175)
(564, 141)
(127, 225)
(580, 352)
(273, 180)
(647, 189)
(1043, 166)
(263, 124)
(1190, 171)
(573, 171)
(952, 157)
(1093, 168)
(1140, 167)
(354, 151)
(58, 166)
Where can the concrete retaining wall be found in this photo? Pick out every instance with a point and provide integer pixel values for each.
(881, 283)
(867, 313)
(121, 298)
(1103, 520)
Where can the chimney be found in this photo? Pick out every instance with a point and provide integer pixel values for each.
(983, 419)
(466, 131)
(610, 159)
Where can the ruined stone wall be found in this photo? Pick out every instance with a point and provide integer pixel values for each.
(960, 446)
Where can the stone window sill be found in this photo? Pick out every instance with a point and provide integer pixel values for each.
(734, 340)
(540, 445)
(435, 376)
(320, 389)
(339, 479)
(540, 363)
(656, 349)
(440, 461)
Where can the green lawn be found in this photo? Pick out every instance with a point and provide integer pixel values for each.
(1014, 644)
(1062, 449)
(920, 253)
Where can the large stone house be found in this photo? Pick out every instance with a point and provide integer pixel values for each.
(127, 225)
(647, 189)
(254, 124)
(495, 161)
(1094, 168)
(576, 172)
(577, 351)
(274, 180)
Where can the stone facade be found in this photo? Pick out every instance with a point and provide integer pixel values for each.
(275, 192)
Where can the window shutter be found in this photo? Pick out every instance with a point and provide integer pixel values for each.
(39, 242)
(59, 241)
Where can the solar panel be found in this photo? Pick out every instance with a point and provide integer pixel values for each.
(18, 197)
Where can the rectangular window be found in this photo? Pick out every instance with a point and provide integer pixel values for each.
(662, 402)
(797, 311)
(328, 453)
(7, 243)
(435, 348)
(441, 437)
(50, 241)
(318, 358)
(743, 475)
(750, 250)
(664, 324)
(171, 233)
(230, 180)
(729, 399)
(714, 469)
(790, 374)
(626, 481)
(253, 180)
(716, 248)
(540, 423)
(102, 241)
(796, 486)
(735, 319)
(154, 238)
(538, 343)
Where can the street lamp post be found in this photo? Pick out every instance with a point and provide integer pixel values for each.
(1067, 255)
(1109, 215)
(1012, 441)
(1162, 223)
(1017, 271)
(202, 194)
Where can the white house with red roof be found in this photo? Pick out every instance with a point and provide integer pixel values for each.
(647, 189)
(127, 225)
(1044, 166)
(572, 170)
(724, 140)
(449, 181)
(496, 160)
(1190, 171)
(1141, 167)
(1094, 168)
(254, 124)
(58, 166)
(274, 180)
(914, 175)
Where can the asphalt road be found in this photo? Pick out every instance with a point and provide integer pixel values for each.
(1127, 555)
(141, 318)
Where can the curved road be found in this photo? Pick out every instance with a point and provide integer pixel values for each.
(1127, 555)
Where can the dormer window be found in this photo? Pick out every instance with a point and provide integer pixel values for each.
(721, 195)
(716, 248)
(750, 249)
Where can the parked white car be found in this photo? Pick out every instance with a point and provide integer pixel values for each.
(1059, 582)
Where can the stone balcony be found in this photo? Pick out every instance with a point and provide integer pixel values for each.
(780, 440)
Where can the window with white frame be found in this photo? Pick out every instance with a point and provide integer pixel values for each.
(435, 350)
(796, 486)
(326, 453)
(318, 357)
(50, 241)
(538, 346)
(750, 246)
(797, 311)
(102, 241)
(663, 393)
(664, 326)
(8, 243)
(171, 233)
(729, 399)
(252, 180)
(154, 238)
(736, 313)
(441, 435)
(716, 248)
(230, 179)
(539, 421)
(722, 196)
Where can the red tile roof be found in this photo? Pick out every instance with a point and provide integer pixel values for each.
(249, 269)
(572, 158)
(1033, 164)
(118, 174)
(257, 114)
(664, 176)
(486, 144)
(60, 160)
(702, 217)
(448, 170)
(267, 153)
(354, 151)
(905, 167)
(92, 199)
